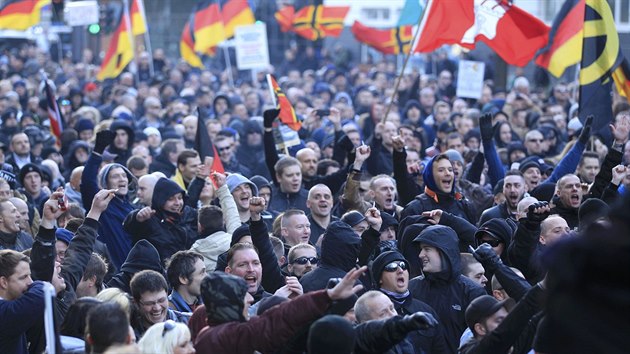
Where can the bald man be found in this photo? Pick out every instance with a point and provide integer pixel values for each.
(146, 184)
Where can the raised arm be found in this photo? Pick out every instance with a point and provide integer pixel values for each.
(495, 167)
(272, 278)
(226, 200)
(89, 185)
(271, 155)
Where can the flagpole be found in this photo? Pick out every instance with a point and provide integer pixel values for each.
(147, 38)
(402, 71)
(228, 65)
(131, 38)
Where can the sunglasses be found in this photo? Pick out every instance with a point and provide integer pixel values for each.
(393, 266)
(304, 260)
(224, 148)
(168, 326)
(493, 242)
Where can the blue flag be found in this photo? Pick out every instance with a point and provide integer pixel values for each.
(410, 14)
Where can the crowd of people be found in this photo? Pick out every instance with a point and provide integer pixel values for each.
(412, 221)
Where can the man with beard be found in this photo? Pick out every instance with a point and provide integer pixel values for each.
(569, 193)
(320, 203)
(513, 189)
(168, 224)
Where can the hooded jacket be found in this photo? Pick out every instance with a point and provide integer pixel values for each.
(229, 332)
(111, 232)
(168, 232)
(142, 256)
(448, 292)
(71, 160)
(433, 198)
(340, 249)
(122, 155)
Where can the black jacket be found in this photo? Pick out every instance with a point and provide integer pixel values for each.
(143, 255)
(448, 292)
(272, 278)
(425, 341)
(168, 232)
(446, 202)
(524, 251)
(499, 211)
(281, 201)
(162, 164)
(506, 334)
(569, 214)
(340, 249)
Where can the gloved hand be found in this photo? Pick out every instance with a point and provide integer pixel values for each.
(586, 130)
(345, 143)
(486, 256)
(269, 116)
(103, 139)
(539, 215)
(419, 320)
(485, 127)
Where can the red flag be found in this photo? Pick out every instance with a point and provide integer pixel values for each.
(621, 76)
(204, 145)
(512, 33)
(54, 114)
(284, 17)
(389, 41)
(287, 113)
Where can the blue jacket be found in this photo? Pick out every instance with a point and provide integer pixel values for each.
(111, 231)
(18, 316)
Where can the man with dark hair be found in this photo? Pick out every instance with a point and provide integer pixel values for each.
(514, 188)
(188, 164)
(137, 166)
(288, 193)
(21, 301)
(107, 325)
(149, 292)
(166, 161)
(472, 269)
(215, 225)
(184, 271)
(243, 261)
(92, 281)
(588, 167)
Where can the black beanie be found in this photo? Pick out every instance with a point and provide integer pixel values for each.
(331, 334)
(591, 210)
(239, 233)
(381, 261)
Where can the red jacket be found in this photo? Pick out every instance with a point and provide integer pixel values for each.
(266, 333)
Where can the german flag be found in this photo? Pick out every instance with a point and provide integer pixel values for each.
(187, 48)
(207, 26)
(138, 18)
(55, 118)
(395, 40)
(565, 39)
(235, 13)
(314, 22)
(621, 76)
(287, 113)
(20, 15)
(601, 56)
(119, 53)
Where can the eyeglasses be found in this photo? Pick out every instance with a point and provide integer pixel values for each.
(168, 326)
(304, 260)
(493, 242)
(535, 140)
(393, 266)
(153, 303)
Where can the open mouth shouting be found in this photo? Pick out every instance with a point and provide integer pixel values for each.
(252, 282)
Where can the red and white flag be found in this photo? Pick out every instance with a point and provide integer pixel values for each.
(511, 32)
(54, 114)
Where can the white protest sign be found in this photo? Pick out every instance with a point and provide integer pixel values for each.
(81, 13)
(251, 47)
(470, 79)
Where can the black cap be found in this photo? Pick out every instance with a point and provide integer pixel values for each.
(352, 218)
(497, 228)
(29, 167)
(483, 307)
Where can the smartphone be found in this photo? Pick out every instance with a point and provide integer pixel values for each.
(323, 112)
(62, 202)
